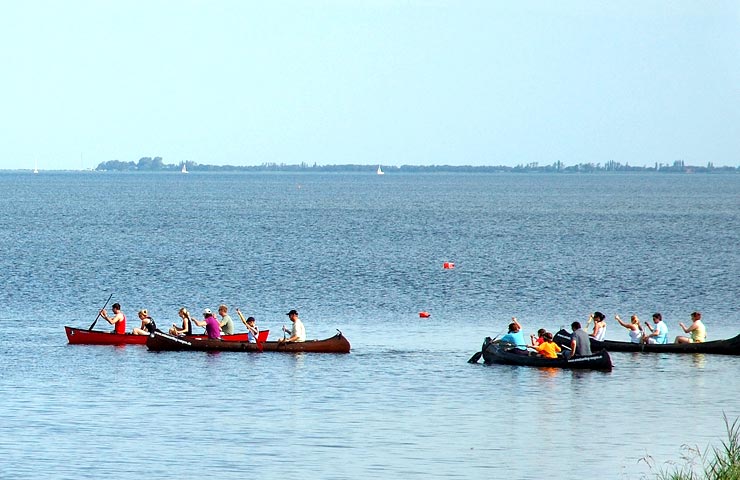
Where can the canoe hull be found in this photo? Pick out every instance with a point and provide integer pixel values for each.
(720, 347)
(494, 353)
(159, 341)
(79, 336)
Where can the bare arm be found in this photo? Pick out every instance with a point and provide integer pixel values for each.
(184, 328)
(116, 318)
(244, 320)
(625, 325)
(597, 327)
(200, 323)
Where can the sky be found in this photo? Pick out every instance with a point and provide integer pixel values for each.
(391, 82)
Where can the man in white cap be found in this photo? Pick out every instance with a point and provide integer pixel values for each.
(298, 332)
(213, 329)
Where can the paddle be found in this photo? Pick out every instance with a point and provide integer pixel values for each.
(476, 356)
(96, 318)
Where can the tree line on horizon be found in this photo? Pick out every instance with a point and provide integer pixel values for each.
(156, 164)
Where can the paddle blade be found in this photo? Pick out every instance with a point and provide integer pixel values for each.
(476, 356)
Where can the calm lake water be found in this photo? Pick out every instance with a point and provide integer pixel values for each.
(363, 254)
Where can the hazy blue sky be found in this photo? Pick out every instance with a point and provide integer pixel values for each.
(369, 81)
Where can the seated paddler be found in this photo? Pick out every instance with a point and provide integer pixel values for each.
(187, 323)
(118, 320)
(298, 332)
(514, 339)
(548, 348)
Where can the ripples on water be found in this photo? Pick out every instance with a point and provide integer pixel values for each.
(362, 254)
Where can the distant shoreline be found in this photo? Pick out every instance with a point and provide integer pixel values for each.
(192, 167)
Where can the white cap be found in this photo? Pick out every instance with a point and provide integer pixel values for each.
(207, 311)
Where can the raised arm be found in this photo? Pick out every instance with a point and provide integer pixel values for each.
(244, 320)
(624, 324)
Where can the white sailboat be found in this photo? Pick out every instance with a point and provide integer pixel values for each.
(380, 171)
(184, 168)
(35, 168)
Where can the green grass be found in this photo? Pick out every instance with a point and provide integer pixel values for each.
(715, 463)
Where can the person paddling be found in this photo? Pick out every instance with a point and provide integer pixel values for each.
(697, 330)
(547, 348)
(515, 338)
(147, 324)
(659, 333)
(540, 338)
(580, 342)
(118, 320)
(298, 332)
(634, 327)
(599, 320)
(226, 324)
(187, 323)
(213, 329)
(252, 330)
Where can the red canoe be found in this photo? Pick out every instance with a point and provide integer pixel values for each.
(81, 336)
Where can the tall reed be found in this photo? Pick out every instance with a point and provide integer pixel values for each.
(718, 463)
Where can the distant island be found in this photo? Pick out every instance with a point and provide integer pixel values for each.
(156, 164)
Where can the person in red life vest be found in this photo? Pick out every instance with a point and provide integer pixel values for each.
(119, 319)
(539, 339)
(547, 348)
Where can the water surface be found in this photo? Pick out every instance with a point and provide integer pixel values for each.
(363, 254)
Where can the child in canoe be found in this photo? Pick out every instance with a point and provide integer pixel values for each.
(547, 348)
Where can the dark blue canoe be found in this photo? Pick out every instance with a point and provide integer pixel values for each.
(730, 346)
(494, 352)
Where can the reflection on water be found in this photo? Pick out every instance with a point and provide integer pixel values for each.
(699, 360)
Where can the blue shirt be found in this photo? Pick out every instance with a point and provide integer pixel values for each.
(662, 336)
(517, 338)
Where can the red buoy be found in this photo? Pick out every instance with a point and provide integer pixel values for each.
(448, 265)
(424, 314)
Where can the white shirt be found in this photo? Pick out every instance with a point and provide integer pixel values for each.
(298, 331)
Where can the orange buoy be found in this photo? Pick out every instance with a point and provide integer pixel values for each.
(424, 314)
(448, 265)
